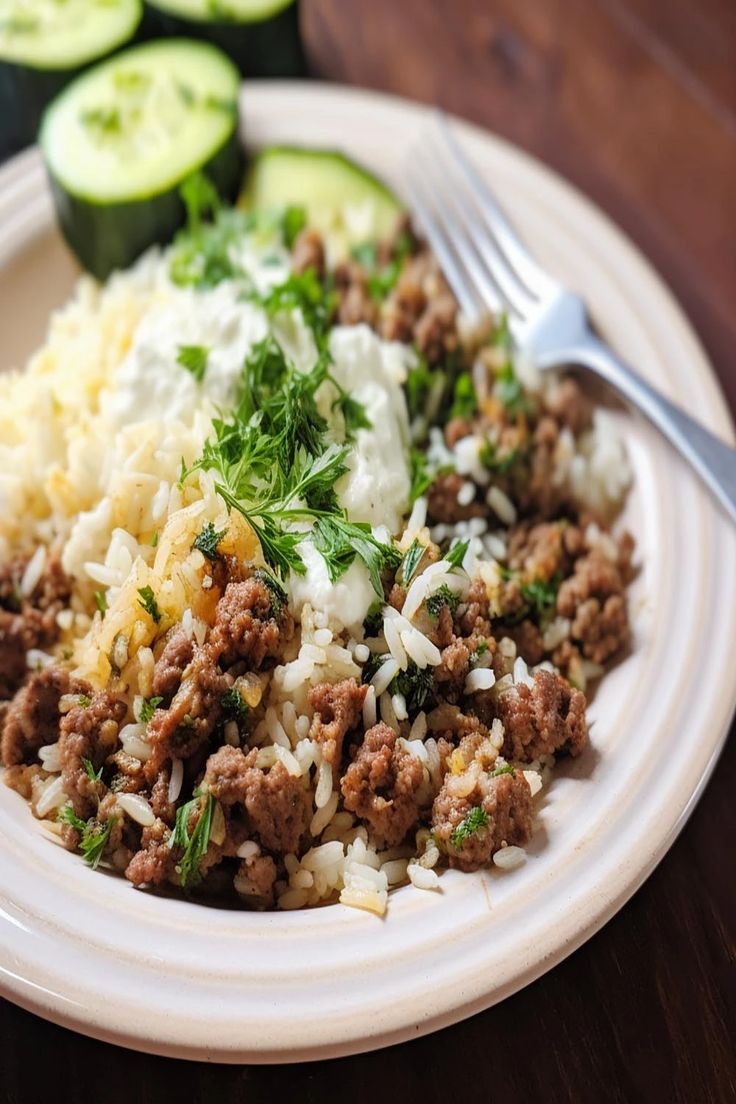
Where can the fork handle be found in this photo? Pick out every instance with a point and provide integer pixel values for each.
(714, 461)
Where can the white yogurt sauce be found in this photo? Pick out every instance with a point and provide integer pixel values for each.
(346, 601)
(376, 488)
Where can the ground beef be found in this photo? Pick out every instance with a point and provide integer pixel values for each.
(592, 598)
(475, 616)
(382, 785)
(185, 727)
(528, 639)
(440, 629)
(88, 732)
(406, 301)
(337, 709)
(354, 302)
(154, 862)
(506, 801)
(456, 429)
(171, 664)
(247, 627)
(539, 493)
(32, 719)
(452, 670)
(569, 406)
(540, 551)
(309, 252)
(129, 775)
(28, 622)
(163, 808)
(255, 879)
(543, 719)
(274, 801)
(443, 506)
(435, 333)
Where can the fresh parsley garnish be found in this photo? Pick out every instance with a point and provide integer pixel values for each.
(475, 821)
(84, 700)
(365, 254)
(275, 589)
(456, 554)
(293, 221)
(505, 769)
(101, 601)
(500, 463)
(94, 841)
(422, 477)
(340, 541)
(374, 618)
(419, 383)
(441, 597)
(147, 708)
(89, 770)
(194, 359)
(509, 388)
(67, 815)
(479, 651)
(94, 836)
(464, 400)
(416, 686)
(302, 291)
(540, 595)
(208, 539)
(233, 705)
(411, 561)
(193, 845)
(147, 601)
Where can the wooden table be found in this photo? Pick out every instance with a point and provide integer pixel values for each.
(635, 102)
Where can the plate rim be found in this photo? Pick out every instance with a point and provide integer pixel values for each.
(19, 992)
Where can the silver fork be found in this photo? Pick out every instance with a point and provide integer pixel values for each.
(489, 268)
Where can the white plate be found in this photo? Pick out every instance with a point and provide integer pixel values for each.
(88, 951)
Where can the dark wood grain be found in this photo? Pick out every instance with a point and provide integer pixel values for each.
(635, 102)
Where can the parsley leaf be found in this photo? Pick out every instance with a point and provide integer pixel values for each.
(509, 389)
(365, 254)
(94, 836)
(441, 597)
(148, 602)
(147, 708)
(67, 815)
(94, 841)
(273, 586)
(208, 539)
(194, 845)
(200, 197)
(464, 401)
(84, 700)
(233, 705)
(416, 686)
(540, 595)
(474, 822)
(418, 385)
(374, 619)
(421, 477)
(194, 359)
(411, 561)
(89, 770)
(456, 555)
(101, 601)
(505, 769)
(293, 221)
(500, 463)
(339, 541)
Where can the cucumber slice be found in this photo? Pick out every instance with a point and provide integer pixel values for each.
(261, 36)
(44, 45)
(345, 202)
(121, 138)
